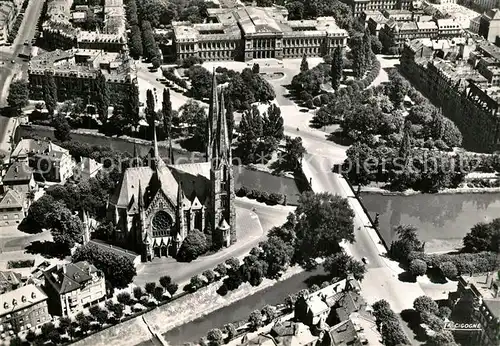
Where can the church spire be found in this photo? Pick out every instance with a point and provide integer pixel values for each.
(180, 195)
(212, 116)
(139, 198)
(170, 152)
(154, 157)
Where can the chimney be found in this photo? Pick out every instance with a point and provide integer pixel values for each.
(64, 269)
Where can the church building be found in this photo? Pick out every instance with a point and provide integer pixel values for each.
(156, 204)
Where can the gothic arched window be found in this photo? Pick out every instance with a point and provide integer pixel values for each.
(162, 222)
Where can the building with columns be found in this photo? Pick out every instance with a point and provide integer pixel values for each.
(247, 33)
(156, 205)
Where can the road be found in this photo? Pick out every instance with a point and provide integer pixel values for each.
(8, 70)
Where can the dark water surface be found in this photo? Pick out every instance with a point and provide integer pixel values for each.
(442, 217)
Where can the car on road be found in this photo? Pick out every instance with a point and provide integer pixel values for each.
(364, 260)
(26, 43)
(13, 61)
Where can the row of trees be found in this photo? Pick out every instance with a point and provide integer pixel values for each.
(432, 315)
(389, 324)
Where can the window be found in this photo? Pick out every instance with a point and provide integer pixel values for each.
(161, 224)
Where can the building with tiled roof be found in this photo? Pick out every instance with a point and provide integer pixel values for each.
(76, 71)
(9, 281)
(283, 333)
(246, 33)
(50, 162)
(22, 309)
(489, 25)
(156, 205)
(73, 287)
(12, 208)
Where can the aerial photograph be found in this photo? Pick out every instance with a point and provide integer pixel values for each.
(250, 172)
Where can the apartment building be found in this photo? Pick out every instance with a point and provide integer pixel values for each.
(22, 309)
(359, 6)
(73, 287)
(489, 25)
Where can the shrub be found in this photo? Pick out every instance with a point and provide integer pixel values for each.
(196, 283)
(124, 298)
(158, 293)
(255, 320)
(138, 293)
(172, 288)
(242, 191)
(264, 196)
(275, 198)
(165, 281)
(150, 287)
(209, 275)
(221, 269)
(425, 304)
(449, 270)
(418, 267)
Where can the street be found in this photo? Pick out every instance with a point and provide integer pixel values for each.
(7, 54)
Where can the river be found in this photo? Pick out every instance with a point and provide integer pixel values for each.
(194, 331)
(442, 220)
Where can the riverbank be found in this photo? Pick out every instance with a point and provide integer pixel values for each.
(181, 311)
(460, 190)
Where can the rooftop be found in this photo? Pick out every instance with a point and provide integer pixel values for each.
(32, 146)
(19, 171)
(6, 8)
(20, 298)
(71, 276)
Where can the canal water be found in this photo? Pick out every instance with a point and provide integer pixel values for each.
(243, 176)
(194, 331)
(442, 220)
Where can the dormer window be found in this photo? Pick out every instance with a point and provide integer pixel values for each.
(23, 299)
(14, 302)
(5, 305)
(33, 295)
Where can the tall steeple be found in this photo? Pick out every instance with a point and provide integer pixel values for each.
(212, 116)
(221, 138)
(154, 157)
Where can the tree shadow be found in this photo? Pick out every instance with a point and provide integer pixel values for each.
(47, 249)
(436, 276)
(339, 138)
(407, 277)
(412, 318)
(27, 225)
(317, 279)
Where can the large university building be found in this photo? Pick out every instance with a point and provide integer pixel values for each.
(156, 205)
(247, 33)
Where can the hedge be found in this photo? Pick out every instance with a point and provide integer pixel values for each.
(466, 263)
(170, 75)
(261, 196)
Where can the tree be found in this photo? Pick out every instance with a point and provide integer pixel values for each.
(442, 338)
(138, 293)
(150, 287)
(83, 322)
(432, 321)
(359, 156)
(337, 68)
(150, 109)
(407, 242)
(304, 65)
(131, 107)
(165, 281)
(67, 229)
(40, 210)
(102, 97)
(397, 88)
(158, 293)
(215, 337)
(64, 324)
(54, 336)
(341, 264)
(221, 269)
(358, 56)
(255, 320)
(151, 50)
(166, 109)
(483, 237)
(449, 270)
(253, 270)
(295, 152)
(117, 310)
(49, 92)
(30, 337)
(172, 288)
(209, 275)
(124, 298)
(323, 220)
(62, 129)
(425, 304)
(418, 267)
(256, 68)
(194, 245)
(233, 263)
(196, 283)
(18, 94)
(230, 119)
(273, 129)
(269, 312)
(47, 328)
(251, 129)
(277, 254)
(118, 270)
(444, 312)
(393, 334)
(230, 330)
(135, 42)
